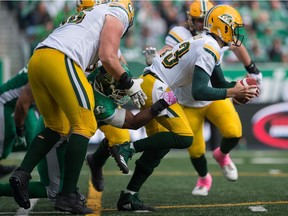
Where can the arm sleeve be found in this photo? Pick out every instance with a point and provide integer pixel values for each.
(201, 90)
(218, 80)
(118, 119)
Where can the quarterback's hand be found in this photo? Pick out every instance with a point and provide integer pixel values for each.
(169, 97)
(136, 94)
(149, 53)
(258, 77)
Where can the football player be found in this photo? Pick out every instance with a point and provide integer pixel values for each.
(221, 113)
(194, 63)
(107, 111)
(64, 96)
(15, 135)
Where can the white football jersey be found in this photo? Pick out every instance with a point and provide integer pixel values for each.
(175, 67)
(177, 35)
(78, 38)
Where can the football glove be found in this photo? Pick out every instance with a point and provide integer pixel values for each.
(169, 98)
(149, 53)
(254, 72)
(19, 139)
(136, 94)
(258, 77)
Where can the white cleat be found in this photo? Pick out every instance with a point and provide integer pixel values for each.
(203, 186)
(229, 169)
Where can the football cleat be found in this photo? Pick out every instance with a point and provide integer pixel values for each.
(229, 169)
(203, 186)
(73, 203)
(19, 182)
(96, 174)
(121, 154)
(129, 202)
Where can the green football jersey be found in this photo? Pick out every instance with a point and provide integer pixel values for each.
(105, 103)
(104, 106)
(11, 89)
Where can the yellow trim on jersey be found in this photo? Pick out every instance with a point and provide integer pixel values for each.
(175, 36)
(216, 55)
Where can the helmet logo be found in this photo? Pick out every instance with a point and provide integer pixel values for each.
(226, 18)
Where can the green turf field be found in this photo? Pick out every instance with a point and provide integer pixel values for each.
(260, 190)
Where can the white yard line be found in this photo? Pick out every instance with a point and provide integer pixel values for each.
(266, 160)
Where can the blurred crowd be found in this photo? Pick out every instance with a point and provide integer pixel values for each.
(266, 36)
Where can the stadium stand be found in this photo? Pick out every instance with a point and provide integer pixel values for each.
(265, 22)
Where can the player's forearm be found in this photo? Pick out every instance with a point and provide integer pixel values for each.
(200, 88)
(134, 122)
(242, 55)
(20, 114)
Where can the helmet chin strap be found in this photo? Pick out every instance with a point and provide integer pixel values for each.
(219, 39)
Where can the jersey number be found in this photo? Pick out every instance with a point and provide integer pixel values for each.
(172, 59)
(76, 18)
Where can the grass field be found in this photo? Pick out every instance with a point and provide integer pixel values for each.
(260, 190)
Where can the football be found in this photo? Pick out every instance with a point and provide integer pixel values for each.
(245, 82)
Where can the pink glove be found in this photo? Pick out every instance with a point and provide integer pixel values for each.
(169, 98)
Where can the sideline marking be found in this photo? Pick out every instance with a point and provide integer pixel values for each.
(191, 173)
(94, 200)
(214, 205)
(257, 209)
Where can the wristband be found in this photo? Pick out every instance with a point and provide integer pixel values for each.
(125, 81)
(252, 69)
(20, 131)
(158, 107)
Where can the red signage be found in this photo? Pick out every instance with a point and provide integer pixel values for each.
(270, 125)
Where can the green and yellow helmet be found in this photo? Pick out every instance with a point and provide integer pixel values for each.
(108, 86)
(225, 22)
(197, 11)
(84, 4)
(127, 6)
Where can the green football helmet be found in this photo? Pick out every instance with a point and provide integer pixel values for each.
(108, 86)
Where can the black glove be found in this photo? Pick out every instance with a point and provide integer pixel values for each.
(254, 72)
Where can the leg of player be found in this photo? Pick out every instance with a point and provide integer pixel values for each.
(178, 133)
(129, 198)
(97, 160)
(197, 150)
(227, 120)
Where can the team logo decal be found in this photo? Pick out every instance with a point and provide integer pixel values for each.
(270, 125)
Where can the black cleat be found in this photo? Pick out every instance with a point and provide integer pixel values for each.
(5, 170)
(19, 183)
(96, 174)
(73, 203)
(129, 202)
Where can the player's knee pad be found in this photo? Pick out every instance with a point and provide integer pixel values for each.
(196, 150)
(231, 131)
